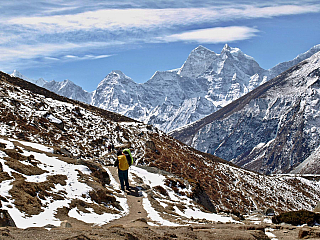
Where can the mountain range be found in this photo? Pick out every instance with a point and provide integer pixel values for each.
(55, 166)
(272, 129)
(205, 83)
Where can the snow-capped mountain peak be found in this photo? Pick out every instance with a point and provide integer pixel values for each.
(69, 89)
(115, 77)
(119, 73)
(198, 61)
(226, 48)
(16, 73)
(201, 50)
(40, 82)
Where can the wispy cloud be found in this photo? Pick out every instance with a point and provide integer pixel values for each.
(85, 57)
(39, 50)
(213, 35)
(23, 55)
(127, 19)
(65, 31)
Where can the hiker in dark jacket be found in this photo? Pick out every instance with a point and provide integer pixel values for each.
(123, 169)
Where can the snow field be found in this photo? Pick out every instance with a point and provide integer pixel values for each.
(74, 189)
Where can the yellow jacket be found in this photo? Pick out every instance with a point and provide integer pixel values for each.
(123, 163)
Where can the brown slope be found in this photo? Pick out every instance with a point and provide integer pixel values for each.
(48, 94)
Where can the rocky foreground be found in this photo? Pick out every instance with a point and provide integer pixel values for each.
(142, 231)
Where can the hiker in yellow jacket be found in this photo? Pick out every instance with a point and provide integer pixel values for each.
(123, 166)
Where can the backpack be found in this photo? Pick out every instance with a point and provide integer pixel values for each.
(123, 163)
(128, 155)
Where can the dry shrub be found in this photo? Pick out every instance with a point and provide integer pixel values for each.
(82, 206)
(23, 168)
(102, 196)
(58, 179)
(97, 171)
(175, 184)
(4, 176)
(297, 218)
(15, 155)
(161, 190)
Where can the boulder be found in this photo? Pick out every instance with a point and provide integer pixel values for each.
(317, 208)
(5, 219)
(102, 196)
(97, 171)
(297, 218)
(5, 233)
(64, 152)
(151, 145)
(200, 196)
(80, 237)
(269, 212)
(309, 233)
(65, 224)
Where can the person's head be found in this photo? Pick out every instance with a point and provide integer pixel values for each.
(119, 152)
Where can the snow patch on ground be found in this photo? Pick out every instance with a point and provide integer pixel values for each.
(190, 212)
(35, 146)
(74, 189)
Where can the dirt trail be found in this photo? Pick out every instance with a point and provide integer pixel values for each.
(137, 214)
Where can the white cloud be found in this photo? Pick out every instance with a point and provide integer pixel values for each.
(213, 35)
(127, 19)
(70, 56)
(101, 56)
(85, 57)
(51, 58)
(50, 37)
(41, 50)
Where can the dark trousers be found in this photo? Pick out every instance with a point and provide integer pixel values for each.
(123, 177)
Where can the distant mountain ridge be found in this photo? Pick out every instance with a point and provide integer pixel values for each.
(205, 83)
(273, 129)
(40, 82)
(70, 90)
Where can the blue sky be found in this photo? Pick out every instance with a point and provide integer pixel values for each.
(85, 40)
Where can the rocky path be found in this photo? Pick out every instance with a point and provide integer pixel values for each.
(137, 214)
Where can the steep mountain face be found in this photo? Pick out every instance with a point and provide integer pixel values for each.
(53, 154)
(281, 67)
(68, 89)
(116, 91)
(170, 99)
(198, 62)
(270, 130)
